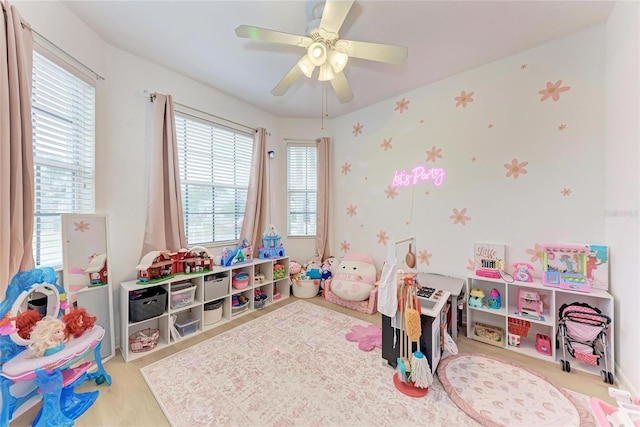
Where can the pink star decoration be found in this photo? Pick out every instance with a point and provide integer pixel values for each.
(391, 192)
(424, 256)
(464, 98)
(460, 217)
(81, 226)
(345, 246)
(402, 105)
(515, 169)
(386, 144)
(562, 127)
(382, 237)
(434, 154)
(346, 168)
(357, 129)
(566, 192)
(553, 91)
(351, 210)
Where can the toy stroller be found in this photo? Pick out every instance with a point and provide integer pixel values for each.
(583, 331)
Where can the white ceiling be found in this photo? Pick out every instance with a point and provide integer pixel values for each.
(444, 38)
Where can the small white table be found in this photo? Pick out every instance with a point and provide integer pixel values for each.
(454, 286)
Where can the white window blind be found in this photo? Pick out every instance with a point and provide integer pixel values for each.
(302, 189)
(215, 162)
(63, 117)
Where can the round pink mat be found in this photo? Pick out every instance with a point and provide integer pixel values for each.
(498, 392)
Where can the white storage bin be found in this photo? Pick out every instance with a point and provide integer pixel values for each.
(213, 312)
(306, 288)
(182, 295)
(215, 286)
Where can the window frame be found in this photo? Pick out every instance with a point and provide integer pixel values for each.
(314, 220)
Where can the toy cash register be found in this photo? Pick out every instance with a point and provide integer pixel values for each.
(565, 267)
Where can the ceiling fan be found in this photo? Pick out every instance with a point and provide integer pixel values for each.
(325, 49)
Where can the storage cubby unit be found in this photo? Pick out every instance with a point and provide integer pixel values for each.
(199, 301)
(532, 310)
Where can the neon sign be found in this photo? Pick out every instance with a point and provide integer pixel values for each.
(402, 178)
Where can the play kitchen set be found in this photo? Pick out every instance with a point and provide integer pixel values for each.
(412, 340)
(516, 312)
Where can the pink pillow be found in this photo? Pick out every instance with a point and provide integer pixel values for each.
(354, 278)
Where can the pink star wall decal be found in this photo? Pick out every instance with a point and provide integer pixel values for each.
(402, 105)
(357, 129)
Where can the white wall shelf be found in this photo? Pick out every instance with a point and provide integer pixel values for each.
(553, 299)
(278, 288)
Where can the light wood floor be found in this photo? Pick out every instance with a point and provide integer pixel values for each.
(129, 402)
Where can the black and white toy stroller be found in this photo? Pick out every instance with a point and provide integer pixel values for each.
(583, 331)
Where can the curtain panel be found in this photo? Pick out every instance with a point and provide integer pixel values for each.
(255, 214)
(323, 202)
(16, 147)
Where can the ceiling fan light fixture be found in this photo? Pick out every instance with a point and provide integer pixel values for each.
(338, 59)
(317, 53)
(326, 73)
(306, 66)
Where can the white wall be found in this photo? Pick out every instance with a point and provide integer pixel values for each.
(622, 181)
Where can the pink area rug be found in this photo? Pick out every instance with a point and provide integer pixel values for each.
(498, 392)
(291, 367)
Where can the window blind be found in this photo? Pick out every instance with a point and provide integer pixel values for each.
(302, 189)
(214, 177)
(63, 118)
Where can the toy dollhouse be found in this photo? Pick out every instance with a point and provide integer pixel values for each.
(241, 254)
(97, 270)
(565, 267)
(271, 246)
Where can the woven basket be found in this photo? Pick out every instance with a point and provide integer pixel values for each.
(144, 340)
(519, 326)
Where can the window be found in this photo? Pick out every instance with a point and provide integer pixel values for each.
(214, 175)
(302, 189)
(63, 118)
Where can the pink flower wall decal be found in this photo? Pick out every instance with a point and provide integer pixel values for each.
(351, 210)
(402, 105)
(81, 226)
(386, 144)
(424, 256)
(515, 169)
(391, 192)
(357, 129)
(566, 192)
(345, 246)
(470, 265)
(523, 66)
(346, 168)
(464, 98)
(553, 91)
(382, 237)
(536, 253)
(562, 127)
(434, 154)
(460, 217)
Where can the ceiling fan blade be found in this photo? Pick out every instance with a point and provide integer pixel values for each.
(287, 81)
(341, 87)
(388, 53)
(256, 33)
(334, 14)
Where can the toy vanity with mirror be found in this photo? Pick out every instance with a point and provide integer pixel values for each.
(28, 374)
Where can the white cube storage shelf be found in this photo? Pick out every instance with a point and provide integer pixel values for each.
(207, 287)
(552, 298)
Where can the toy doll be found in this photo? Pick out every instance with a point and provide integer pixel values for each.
(26, 321)
(47, 337)
(77, 321)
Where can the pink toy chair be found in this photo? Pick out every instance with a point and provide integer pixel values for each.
(368, 306)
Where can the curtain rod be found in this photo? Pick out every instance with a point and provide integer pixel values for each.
(300, 139)
(152, 97)
(26, 25)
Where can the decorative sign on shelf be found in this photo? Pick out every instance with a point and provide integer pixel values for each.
(489, 259)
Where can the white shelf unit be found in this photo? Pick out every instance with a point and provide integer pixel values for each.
(552, 298)
(195, 310)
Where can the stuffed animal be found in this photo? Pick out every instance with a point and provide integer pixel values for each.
(355, 277)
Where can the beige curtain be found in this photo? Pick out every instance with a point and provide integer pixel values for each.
(255, 214)
(165, 222)
(324, 175)
(16, 147)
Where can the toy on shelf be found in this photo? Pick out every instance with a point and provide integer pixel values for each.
(97, 270)
(494, 302)
(271, 246)
(488, 259)
(543, 344)
(522, 272)
(241, 254)
(530, 304)
(476, 297)
(626, 414)
(565, 267)
(279, 271)
(240, 280)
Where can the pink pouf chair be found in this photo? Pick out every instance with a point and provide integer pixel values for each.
(353, 284)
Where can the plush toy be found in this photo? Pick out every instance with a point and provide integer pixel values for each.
(25, 322)
(295, 269)
(47, 337)
(355, 277)
(77, 321)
